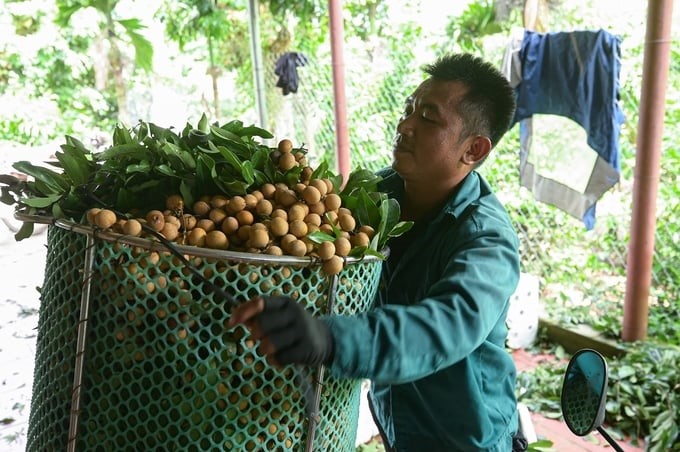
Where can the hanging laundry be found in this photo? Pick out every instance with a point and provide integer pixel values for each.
(573, 76)
(286, 69)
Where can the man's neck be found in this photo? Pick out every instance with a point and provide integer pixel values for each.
(422, 198)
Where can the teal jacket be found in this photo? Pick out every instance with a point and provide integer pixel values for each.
(434, 347)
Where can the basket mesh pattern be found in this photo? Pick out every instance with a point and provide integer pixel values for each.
(56, 342)
(162, 371)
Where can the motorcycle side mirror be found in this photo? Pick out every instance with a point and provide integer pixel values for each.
(584, 391)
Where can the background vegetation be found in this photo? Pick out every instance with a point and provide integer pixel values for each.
(81, 66)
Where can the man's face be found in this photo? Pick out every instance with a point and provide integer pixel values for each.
(428, 144)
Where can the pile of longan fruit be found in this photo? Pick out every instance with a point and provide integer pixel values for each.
(275, 219)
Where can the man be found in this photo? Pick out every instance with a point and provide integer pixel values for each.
(434, 347)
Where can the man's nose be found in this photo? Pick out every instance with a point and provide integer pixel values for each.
(404, 126)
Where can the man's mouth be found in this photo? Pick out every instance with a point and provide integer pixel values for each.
(399, 145)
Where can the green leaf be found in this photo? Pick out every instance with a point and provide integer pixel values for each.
(203, 125)
(206, 173)
(142, 167)
(361, 178)
(24, 232)
(229, 157)
(143, 47)
(186, 192)
(121, 136)
(56, 181)
(41, 203)
(165, 170)
(178, 156)
(224, 135)
(75, 163)
(253, 131)
(235, 187)
(120, 151)
(320, 237)
(248, 172)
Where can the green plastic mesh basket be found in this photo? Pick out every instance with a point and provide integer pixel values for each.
(133, 352)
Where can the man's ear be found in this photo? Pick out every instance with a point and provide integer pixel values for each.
(478, 150)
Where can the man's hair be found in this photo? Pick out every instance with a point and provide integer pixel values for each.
(488, 106)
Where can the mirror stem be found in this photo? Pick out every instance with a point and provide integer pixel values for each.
(609, 439)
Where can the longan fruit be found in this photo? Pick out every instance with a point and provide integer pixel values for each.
(278, 227)
(217, 240)
(327, 228)
(188, 222)
(306, 174)
(329, 185)
(170, 231)
(347, 222)
(217, 215)
(360, 239)
(296, 212)
(206, 224)
(297, 248)
(90, 214)
(276, 213)
(313, 218)
(132, 227)
(245, 217)
(229, 225)
(236, 204)
(331, 217)
(311, 194)
(342, 246)
(301, 158)
(285, 197)
(332, 201)
(274, 251)
(298, 228)
(251, 201)
(218, 201)
(287, 161)
(172, 219)
(333, 265)
(319, 208)
(286, 240)
(299, 188)
(197, 236)
(268, 190)
(325, 250)
(105, 219)
(243, 232)
(320, 185)
(259, 238)
(174, 202)
(264, 208)
(201, 208)
(285, 146)
(368, 230)
(155, 220)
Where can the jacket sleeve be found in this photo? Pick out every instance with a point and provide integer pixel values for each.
(466, 306)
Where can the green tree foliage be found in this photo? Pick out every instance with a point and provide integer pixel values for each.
(117, 33)
(221, 25)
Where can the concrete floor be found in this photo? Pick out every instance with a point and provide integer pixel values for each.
(22, 266)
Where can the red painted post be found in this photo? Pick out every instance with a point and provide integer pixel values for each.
(647, 168)
(341, 129)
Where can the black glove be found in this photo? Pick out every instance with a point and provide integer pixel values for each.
(297, 336)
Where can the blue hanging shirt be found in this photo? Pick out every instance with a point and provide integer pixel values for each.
(574, 75)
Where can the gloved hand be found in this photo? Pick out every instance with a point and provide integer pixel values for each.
(289, 333)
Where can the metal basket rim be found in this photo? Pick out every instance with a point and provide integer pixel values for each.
(154, 245)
